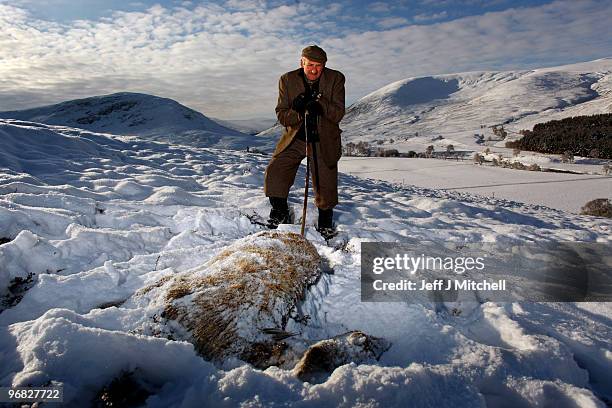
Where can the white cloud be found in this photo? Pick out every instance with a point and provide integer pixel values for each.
(227, 63)
(553, 34)
(244, 4)
(430, 17)
(392, 22)
(378, 7)
(458, 3)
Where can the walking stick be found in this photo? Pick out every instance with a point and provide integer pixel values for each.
(307, 174)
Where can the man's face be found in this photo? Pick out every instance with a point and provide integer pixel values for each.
(312, 69)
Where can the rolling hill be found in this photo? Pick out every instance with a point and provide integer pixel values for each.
(136, 114)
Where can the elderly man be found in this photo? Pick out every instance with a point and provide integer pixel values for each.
(316, 93)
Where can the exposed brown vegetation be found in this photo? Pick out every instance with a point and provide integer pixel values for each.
(254, 284)
(600, 207)
(325, 356)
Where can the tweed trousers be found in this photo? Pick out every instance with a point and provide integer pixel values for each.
(281, 171)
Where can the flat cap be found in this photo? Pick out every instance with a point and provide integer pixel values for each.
(315, 53)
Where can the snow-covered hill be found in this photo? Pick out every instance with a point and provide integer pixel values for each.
(142, 115)
(455, 106)
(249, 126)
(87, 220)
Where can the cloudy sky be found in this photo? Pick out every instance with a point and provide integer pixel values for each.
(224, 58)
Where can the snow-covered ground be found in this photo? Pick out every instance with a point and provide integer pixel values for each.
(563, 191)
(94, 218)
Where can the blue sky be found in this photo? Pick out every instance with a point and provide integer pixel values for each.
(224, 57)
(356, 14)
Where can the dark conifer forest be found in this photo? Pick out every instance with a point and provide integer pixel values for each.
(586, 136)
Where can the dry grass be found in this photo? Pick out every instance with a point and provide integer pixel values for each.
(245, 288)
(325, 356)
(600, 207)
(157, 284)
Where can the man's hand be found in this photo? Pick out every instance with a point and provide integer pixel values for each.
(314, 95)
(309, 103)
(314, 108)
(299, 103)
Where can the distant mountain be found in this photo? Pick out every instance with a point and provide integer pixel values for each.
(250, 126)
(417, 111)
(457, 105)
(143, 115)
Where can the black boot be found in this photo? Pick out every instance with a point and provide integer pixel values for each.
(279, 214)
(325, 225)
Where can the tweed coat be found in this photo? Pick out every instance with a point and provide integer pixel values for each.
(331, 87)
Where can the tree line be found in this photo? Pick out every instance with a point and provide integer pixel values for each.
(586, 136)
